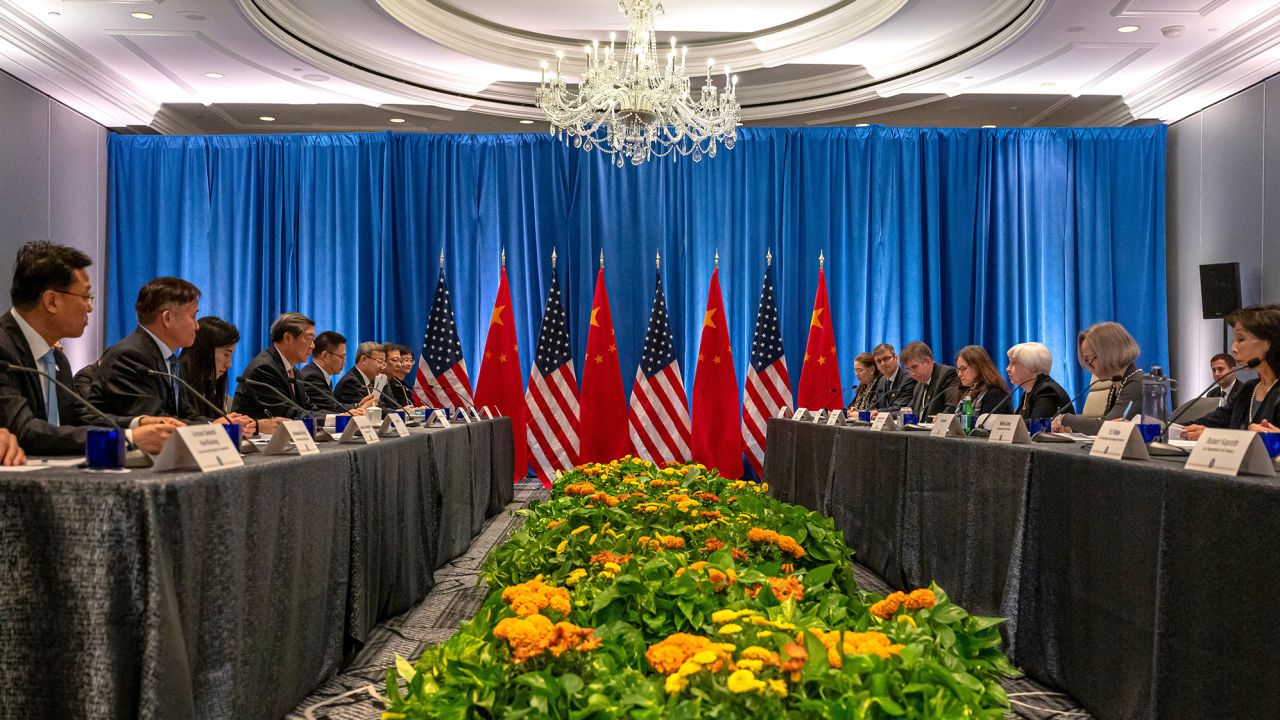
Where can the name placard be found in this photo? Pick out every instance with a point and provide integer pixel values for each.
(1231, 452)
(462, 416)
(946, 425)
(819, 416)
(800, 413)
(783, 412)
(393, 426)
(198, 447)
(1008, 430)
(884, 421)
(475, 414)
(438, 419)
(488, 413)
(359, 428)
(834, 417)
(289, 435)
(1119, 440)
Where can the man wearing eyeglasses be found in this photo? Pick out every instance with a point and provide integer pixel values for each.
(52, 298)
(396, 394)
(327, 361)
(356, 387)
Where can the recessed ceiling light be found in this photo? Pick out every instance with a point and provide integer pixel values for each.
(988, 126)
(214, 76)
(54, 14)
(397, 120)
(266, 118)
(1048, 85)
(862, 125)
(526, 122)
(141, 15)
(1127, 28)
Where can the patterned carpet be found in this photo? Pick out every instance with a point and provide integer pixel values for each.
(354, 693)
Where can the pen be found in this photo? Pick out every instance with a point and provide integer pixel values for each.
(1127, 408)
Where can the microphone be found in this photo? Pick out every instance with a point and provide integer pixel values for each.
(245, 447)
(1046, 436)
(347, 408)
(978, 430)
(135, 457)
(410, 423)
(1165, 449)
(321, 434)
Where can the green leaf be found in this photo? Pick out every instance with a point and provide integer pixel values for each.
(819, 575)
(982, 623)
(404, 668)
(571, 684)
(947, 614)
(605, 597)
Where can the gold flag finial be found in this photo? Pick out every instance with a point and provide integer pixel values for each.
(821, 260)
(768, 257)
(657, 259)
(553, 258)
(601, 259)
(504, 257)
(717, 258)
(441, 258)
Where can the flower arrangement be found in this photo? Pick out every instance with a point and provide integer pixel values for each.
(652, 592)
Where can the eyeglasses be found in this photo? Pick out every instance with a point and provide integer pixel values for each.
(342, 357)
(85, 296)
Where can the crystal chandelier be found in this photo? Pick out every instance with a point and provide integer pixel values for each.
(637, 104)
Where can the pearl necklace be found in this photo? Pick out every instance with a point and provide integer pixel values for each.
(1254, 398)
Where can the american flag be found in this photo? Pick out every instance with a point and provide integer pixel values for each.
(552, 397)
(441, 379)
(768, 387)
(659, 415)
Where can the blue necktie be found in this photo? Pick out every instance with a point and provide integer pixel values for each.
(173, 383)
(50, 390)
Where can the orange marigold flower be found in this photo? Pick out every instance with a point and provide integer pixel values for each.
(532, 597)
(788, 568)
(670, 542)
(710, 514)
(764, 655)
(554, 524)
(566, 636)
(708, 497)
(721, 580)
(753, 591)
(788, 588)
(888, 606)
(762, 535)
(606, 556)
(713, 544)
(786, 543)
(670, 653)
(579, 488)
(796, 657)
(739, 555)
(527, 636)
(920, 599)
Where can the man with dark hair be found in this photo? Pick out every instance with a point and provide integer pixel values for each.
(357, 385)
(292, 339)
(1228, 388)
(933, 380)
(52, 298)
(123, 384)
(894, 388)
(327, 360)
(396, 395)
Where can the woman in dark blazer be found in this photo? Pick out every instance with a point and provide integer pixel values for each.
(1257, 406)
(864, 366)
(979, 381)
(205, 365)
(1107, 350)
(1029, 366)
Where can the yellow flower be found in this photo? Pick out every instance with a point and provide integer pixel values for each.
(580, 529)
(592, 541)
(730, 629)
(689, 668)
(575, 576)
(749, 664)
(561, 547)
(675, 683)
(907, 620)
(608, 575)
(741, 681)
(721, 617)
(778, 686)
(705, 657)
(612, 567)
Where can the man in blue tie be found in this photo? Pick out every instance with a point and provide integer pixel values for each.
(130, 379)
(52, 298)
(327, 360)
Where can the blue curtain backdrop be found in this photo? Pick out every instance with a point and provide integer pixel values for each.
(951, 236)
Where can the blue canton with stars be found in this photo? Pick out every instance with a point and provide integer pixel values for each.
(441, 348)
(659, 346)
(553, 339)
(766, 346)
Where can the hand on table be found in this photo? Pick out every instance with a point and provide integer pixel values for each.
(1264, 426)
(150, 437)
(10, 453)
(1192, 432)
(155, 420)
(1058, 427)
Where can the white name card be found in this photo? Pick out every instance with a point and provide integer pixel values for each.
(819, 415)
(1120, 440)
(488, 413)
(475, 414)
(1009, 430)
(289, 435)
(783, 412)
(198, 447)
(357, 429)
(1231, 452)
(800, 413)
(438, 419)
(393, 426)
(884, 421)
(834, 417)
(946, 425)
(462, 416)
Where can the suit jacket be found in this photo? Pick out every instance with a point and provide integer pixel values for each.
(1236, 415)
(122, 387)
(22, 408)
(1130, 392)
(267, 367)
(993, 399)
(1044, 398)
(352, 388)
(319, 392)
(396, 395)
(929, 399)
(864, 398)
(1237, 390)
(894, 394)
(84, 379)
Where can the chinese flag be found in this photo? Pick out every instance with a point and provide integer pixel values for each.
(602, 406)
(500, 382)
(717, 434)
(820, 375)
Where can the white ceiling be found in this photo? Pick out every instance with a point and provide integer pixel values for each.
(473, 66)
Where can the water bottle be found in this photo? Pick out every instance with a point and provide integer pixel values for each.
(1155, 401)
(966, 414)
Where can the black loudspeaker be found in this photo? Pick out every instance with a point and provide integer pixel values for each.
(1219, 289)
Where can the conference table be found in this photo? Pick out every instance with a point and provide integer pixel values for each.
(234, 593)
(1140, 588)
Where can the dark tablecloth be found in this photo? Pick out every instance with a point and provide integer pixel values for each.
(223, 595)
(1142, 589)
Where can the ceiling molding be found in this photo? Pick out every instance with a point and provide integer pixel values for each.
(96, 84)
(1136, 50)
(1160, 93)
(1123, 10)
(830, 28)
(168, 123)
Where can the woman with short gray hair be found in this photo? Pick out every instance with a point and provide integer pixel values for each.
(1107, 350)
(1029, 367)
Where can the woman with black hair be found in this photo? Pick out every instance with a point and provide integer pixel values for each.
(205, 366)
(1257, 406)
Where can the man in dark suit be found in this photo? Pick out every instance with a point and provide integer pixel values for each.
(125, 384)
(84, 378)
(1229, 386)
(397, 395)
(292, 339)
(895, 387)
(52, 298)
(933, 380)
(358, 383)
(327, 361)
